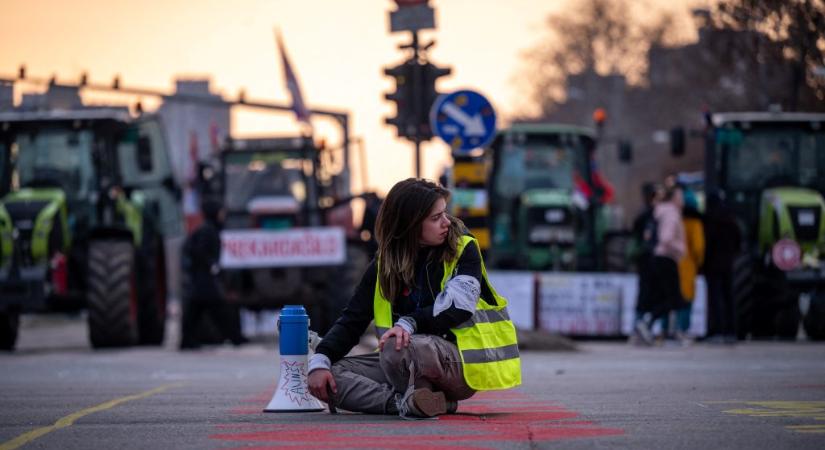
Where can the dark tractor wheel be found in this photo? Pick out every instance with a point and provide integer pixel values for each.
(9, 324)
(814, 321)
(112, 294)
(152, 299)
(786, 321)
(744, 295)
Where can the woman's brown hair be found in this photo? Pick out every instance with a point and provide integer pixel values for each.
(398, 232)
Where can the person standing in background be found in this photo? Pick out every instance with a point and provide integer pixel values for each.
(644, 241)
(690, 264)
(724, 239)
(670, 248)
(203, 293)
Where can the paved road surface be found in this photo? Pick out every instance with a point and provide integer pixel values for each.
(57, 393)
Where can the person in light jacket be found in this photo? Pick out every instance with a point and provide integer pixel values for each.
(670, 248)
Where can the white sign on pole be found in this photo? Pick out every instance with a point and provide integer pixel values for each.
(312, 246)
(412, 18)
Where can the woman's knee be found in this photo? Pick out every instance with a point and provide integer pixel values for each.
(390, 357)
(421, 349)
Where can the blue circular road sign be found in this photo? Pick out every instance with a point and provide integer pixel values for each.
(464, 120)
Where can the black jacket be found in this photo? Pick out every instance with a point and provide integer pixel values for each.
(200, 260)
(723, 240)
(347, 330)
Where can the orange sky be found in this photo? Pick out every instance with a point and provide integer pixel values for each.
(337, 47)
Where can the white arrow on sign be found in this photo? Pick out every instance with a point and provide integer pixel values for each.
(473, 126)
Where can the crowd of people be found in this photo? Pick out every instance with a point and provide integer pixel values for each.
(675, 240)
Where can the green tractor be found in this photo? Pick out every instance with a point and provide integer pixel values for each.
(547, 204)
(771, 167)
(86, 199)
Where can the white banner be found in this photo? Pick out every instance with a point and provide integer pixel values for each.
(312, 246)
(581, 304)
(518, 288)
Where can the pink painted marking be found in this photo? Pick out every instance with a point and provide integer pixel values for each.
(487, 418)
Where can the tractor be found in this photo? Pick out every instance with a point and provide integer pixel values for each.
(86, 200)
(546, 201)
(771, 168)
(286, 203)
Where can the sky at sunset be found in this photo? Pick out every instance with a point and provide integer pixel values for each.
(338, 48)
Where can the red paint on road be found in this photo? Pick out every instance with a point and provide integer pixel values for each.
(487, 419)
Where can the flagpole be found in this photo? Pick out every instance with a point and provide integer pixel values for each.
(304, 114)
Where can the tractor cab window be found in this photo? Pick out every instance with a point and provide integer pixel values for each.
(812, 160)
(537, 162)
(765, 158)
(274, 176)
(56, 158)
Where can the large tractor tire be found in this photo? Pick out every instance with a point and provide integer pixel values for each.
(112, 294)
(814, 321)
(744, 294)
(9, 325)
(152, 299)
(786, 320)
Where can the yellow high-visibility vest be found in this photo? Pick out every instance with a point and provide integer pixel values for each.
(487, 341)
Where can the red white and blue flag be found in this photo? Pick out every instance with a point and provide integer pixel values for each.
(298, 106)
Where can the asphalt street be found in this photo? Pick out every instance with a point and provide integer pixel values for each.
(55, 392)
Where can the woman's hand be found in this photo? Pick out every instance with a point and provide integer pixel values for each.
(402, 337)
(318, 381)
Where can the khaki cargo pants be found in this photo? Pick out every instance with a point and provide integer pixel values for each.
(370, 383)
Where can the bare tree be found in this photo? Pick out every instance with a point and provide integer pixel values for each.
(592, 36)
(797, 29)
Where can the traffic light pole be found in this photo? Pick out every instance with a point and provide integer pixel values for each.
(417, 103)
(415, 92)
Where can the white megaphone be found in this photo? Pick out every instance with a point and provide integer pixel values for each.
(292, 393)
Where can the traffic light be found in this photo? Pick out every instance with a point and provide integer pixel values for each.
(408, 97)
(402, 96)
(625, 151)
(430, 75)
(677, 141)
